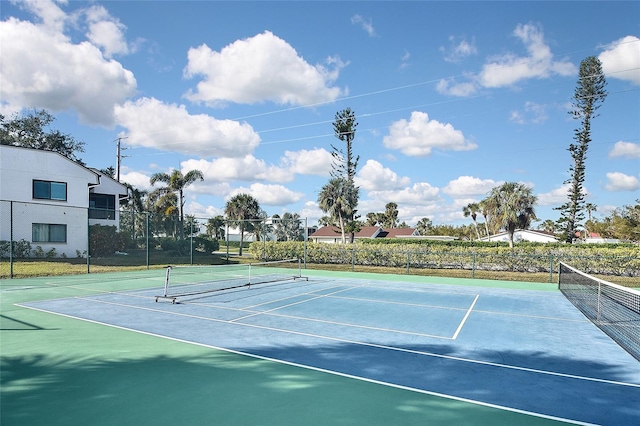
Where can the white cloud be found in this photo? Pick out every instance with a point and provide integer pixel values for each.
(459, 48)
(617, 181)
(200, 211)
(106, 32)
(308, 162)
(532, 113)
(418, 194)
(53, 18)
(621, 59)
(170, 127)
(469, 186)
(248, 169)
(42, 68)
(257, 69)
(419, 136)
(365, 23)
(269, 195)
(452, 88)
(509, 69)
(625, 149)
(136, 179)
(555, 197)
(373, 176)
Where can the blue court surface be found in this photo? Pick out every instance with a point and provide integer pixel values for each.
(521, 350)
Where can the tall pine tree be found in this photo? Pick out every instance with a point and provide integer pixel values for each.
(344, 166)
(589, 95)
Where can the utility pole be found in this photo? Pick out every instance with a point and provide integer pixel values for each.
(119, 157)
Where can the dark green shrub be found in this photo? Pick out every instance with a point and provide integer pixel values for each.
(21, 249)
(105, 240)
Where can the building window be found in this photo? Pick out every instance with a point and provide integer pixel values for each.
(45, 190)
(48, 233)
(102, 206)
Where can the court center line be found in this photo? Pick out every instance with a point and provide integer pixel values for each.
(280, 315)
(295, 303)
(376, 345)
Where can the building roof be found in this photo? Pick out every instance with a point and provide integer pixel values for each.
(520, 232)
(334, 231)
(365, 232)
(397, 232)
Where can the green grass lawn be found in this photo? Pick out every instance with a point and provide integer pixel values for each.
(55, 267)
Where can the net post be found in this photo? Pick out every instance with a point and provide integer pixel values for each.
(166, 281)
(599, 300)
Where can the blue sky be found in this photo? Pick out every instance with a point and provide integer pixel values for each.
(452, 98)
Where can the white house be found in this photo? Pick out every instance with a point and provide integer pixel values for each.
(50, 200)
(332, 234)
(523, 235)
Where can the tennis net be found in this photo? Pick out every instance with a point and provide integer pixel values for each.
(181, 281)
(613, 308)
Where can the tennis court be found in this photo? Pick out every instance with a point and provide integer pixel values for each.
(338, 348)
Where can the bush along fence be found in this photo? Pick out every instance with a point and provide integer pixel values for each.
(86, 237)
(619, 260)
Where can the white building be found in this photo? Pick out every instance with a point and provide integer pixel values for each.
(332, 234)
(50, 200)
(523, 235)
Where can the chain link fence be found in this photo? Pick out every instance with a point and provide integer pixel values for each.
(94, 239)
(73, 240)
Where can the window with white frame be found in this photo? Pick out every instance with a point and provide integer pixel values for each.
(46, 190)
(48, 233)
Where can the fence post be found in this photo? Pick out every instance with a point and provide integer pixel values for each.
(191, 242)
(550, 268)
(408, 262)
(147, 234)
(88, 244)
(10, 239)
(306, 239)
(353, 257)
(473, 264)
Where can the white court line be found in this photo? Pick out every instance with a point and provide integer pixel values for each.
(279, 315)
(293, 296)
(295, 303)
(322, 370)
(388, 302)
(355, 342)
(464, 320)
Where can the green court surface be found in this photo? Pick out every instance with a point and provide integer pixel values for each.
(57, 370)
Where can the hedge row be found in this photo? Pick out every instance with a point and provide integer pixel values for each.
(621, 260)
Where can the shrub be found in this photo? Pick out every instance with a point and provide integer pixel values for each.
(21, 248)
(619, 259)
(38, 252)
(105, 240)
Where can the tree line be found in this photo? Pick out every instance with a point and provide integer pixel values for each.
(508, 207)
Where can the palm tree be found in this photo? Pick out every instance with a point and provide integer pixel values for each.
(472, 210)
(391, 215)
(176, 183)
(548, 226)
(485, 214)
(240, 210)
(590, 208)
(511, 207)
(135, 202)
(215, 227)
(424, 226)
(334, 200)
